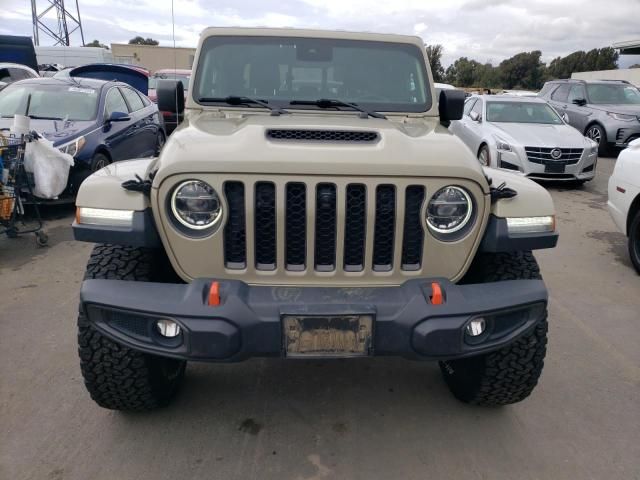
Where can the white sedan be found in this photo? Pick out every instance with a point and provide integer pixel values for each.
(624, 198)
(525, 134)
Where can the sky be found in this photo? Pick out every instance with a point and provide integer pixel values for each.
(485, 30)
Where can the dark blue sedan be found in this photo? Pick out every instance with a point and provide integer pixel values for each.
(95, 121)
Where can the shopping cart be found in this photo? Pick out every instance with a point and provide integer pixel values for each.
(16, 187)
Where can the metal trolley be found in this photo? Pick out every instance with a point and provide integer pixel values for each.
(16, 187)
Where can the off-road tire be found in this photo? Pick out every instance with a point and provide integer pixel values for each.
(510, 374)
(634, 241)
(116, 376)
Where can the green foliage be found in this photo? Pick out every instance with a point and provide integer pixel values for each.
(597, 59)
(434, 52)
(524, 71)
(143, 41)
(96, 43)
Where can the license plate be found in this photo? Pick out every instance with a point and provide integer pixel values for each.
(327, 335)
(554, 168)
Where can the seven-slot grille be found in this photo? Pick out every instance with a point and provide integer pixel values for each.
(324, 226)
(542, 155)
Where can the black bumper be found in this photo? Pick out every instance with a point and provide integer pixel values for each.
(248, 321)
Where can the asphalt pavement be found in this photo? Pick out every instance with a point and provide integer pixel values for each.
(380, 418)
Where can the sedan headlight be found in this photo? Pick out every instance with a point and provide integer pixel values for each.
(449, 211)
(74, 147)
(621, 117)
(196, 205)
(502, 145)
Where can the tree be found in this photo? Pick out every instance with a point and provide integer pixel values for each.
(96, 43)
(143, 41)
(523, 70)
(635, 65)
(434, 53)
(597, 59)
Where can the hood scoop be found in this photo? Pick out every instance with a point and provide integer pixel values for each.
(334, 136)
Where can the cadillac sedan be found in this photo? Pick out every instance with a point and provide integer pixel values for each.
(527, 135)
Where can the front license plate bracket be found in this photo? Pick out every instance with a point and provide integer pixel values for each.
(327, 336)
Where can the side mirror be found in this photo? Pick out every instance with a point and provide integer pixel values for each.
(170, 96)
(118, 117)
(450, 105)
(565, 117)
(475, 116)
(579, 101)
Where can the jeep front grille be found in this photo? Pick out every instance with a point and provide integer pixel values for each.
(316, 217)
(542, 155)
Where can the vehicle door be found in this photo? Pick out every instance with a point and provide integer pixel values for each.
(460, 127)
(560, 98)
(577, 109)
(118, 136)
(144, 130)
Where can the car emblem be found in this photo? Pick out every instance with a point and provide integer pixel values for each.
(556, 153)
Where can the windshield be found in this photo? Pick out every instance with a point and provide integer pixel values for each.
(522, 112)
(619, 94)
(381, 76)
(184, 79)
(50, 101)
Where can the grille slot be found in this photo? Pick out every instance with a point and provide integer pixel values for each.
(413, 233)
(355, 228)
(542, 155)
(235, 232)
(323, 135)
(296, 226)
(325, 240)
(265, 225)
(384, 228)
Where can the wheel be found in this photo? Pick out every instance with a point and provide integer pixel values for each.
(484, 156)
(42, 239)
(116, 376)
(160, 141)
(12, 232)
(634, 241)
(596, 133)
(510, 374)
(99, 160)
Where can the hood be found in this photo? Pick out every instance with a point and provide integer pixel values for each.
(536, 135)
(57, 131)
(105, 71)
(213, 141)
(617, 108)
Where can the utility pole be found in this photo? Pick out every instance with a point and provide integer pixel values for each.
(55, 20)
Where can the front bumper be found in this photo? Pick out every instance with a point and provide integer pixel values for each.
(584, 169)
(248, 322)
(623, 133)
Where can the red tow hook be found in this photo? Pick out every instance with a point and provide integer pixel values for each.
(214, 295)
(437, 297)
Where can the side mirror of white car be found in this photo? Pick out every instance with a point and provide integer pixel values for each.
(565, 117)
(475, 116)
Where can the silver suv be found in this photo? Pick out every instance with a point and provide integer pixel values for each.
(606, 111)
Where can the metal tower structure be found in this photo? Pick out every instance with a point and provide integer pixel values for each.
(55, 20)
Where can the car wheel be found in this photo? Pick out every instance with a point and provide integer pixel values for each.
(118, 377)
(634, 241)
(596, 133)
(510, 374)
(484, 157)
(160, 141)
(99, 160)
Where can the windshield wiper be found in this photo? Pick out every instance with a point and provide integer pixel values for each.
(333, 103)
(38, 117)
(239, 100)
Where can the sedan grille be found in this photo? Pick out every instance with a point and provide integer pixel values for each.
(544, 155)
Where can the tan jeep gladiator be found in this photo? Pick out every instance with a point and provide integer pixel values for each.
(312, 204)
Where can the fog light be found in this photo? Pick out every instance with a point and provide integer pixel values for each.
(476, 327)
(168, 328)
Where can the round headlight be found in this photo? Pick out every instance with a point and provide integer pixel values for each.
(449, 210)
(196, 205)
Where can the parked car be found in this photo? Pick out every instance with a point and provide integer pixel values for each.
(95, 121)
(606, 111)
(282, 224)
(13, 72)
(171, 120)
(624, 198)
(526, 135)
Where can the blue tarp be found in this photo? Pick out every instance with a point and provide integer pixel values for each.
(14, 49)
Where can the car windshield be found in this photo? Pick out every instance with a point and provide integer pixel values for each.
(381, 76)
(65, 101)
(522, 112)
(619, 94)
(184, 79)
